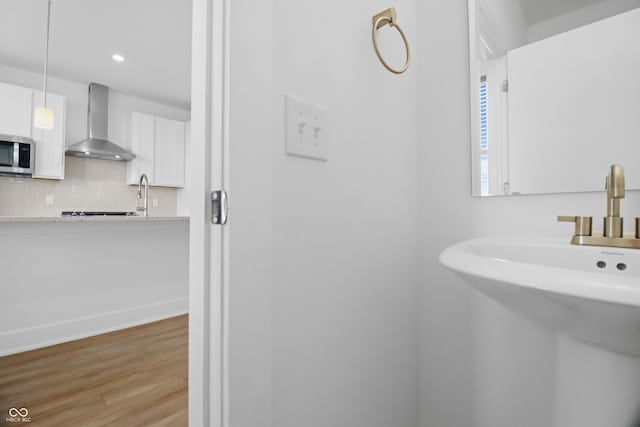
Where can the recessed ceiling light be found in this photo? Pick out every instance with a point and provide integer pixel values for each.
(117, 57)
(87, 153)
(117, 157)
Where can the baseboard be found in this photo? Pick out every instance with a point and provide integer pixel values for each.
(55, 333)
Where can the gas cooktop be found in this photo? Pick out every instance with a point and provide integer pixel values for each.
(97, 213)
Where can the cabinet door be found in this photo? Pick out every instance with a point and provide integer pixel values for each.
(169, 153)
(15, 110)
(142, 145)
(50, 144)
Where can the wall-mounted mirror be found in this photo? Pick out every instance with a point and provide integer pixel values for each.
(555, 94)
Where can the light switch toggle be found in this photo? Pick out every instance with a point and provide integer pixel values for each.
(301, 123)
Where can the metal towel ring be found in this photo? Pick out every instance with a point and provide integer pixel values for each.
(383, 18)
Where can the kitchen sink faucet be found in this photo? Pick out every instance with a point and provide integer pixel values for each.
(145, 202)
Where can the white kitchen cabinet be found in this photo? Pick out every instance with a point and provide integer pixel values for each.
(50, 144)
(16, 118)
(159, 146)
(168, 159)
(16, 110)
(142, 141)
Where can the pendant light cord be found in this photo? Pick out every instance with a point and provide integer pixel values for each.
(46, 52)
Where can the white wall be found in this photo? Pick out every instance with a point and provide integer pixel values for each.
(345, 243)
(338, 326)
(120, 105)
(64, 281)
(482, 365)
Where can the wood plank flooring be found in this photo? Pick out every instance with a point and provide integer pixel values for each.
(132, 377)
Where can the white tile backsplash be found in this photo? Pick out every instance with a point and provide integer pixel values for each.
(89, 184)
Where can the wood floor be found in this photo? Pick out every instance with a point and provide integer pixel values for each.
(133, 377)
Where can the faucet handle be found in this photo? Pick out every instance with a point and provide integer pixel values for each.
(583, 224)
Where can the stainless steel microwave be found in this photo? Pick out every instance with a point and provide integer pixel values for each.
(17, 156)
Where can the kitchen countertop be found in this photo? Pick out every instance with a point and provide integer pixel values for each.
(91, 218)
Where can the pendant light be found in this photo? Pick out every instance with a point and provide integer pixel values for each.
(43, 116)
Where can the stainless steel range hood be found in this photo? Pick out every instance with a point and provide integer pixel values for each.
(98, 146)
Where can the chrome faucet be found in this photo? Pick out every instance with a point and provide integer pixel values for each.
(145, 201)
(612, 235)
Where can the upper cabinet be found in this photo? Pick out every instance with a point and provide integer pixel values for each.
(159, 146)
(16, 110)
(142, 142)
(168, 167)
(16, 118)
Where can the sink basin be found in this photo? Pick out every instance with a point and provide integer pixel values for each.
(589, 293)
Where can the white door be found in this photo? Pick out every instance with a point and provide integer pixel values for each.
(207, 389)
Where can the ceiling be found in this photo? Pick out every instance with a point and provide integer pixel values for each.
(154, 36)
(536, 11)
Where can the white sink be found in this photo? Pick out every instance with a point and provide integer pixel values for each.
(560, 285)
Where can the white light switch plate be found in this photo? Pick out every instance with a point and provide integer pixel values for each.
(306, 129)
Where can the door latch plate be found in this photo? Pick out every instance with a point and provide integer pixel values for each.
(219, 207)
